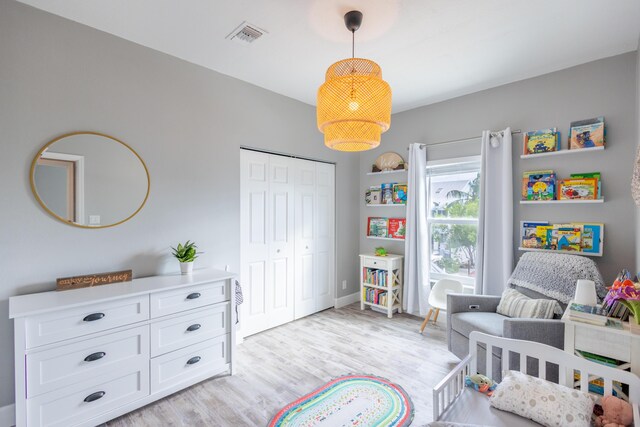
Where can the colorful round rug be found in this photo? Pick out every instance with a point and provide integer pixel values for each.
(351, 400)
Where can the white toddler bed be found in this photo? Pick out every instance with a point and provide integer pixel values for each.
(455, 403)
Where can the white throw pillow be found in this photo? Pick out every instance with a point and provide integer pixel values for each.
(544, 402)
(514, 304)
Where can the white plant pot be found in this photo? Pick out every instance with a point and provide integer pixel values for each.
(186, 267)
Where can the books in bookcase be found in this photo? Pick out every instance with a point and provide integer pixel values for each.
(593, 315)
(393, 228)
(575, 237)
(541, 141)
(589, 133)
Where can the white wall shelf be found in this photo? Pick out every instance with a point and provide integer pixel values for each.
(560, 252)
(560, 202)
(387, 172)
(561, 152)
(382, 205)
(384, 238)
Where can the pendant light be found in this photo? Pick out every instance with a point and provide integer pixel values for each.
(354, 103)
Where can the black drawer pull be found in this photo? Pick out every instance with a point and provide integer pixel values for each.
(94, 396)
(193, 295)
(193, 360)
(95, 356)
(94, 316)
(194, 327)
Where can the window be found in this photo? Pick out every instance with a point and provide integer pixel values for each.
(453, 203)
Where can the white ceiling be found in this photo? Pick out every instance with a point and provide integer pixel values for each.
(429, 50)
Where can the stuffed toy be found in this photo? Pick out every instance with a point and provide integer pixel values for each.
(480, 383)
(616, 413)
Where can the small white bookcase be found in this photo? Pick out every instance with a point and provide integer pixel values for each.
(381, 274)
(610, 342)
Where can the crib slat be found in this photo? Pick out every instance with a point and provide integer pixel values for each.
(542, 369)
(506, 354)
(608, 386)
(523, 363)
(489, 360)
(584, 381)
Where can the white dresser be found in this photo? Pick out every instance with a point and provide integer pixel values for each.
(89, 355)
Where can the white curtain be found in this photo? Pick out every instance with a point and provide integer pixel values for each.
(495, 222)
(416, 244)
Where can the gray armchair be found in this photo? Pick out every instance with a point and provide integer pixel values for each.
(466, 313)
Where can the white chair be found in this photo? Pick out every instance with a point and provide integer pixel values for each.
(438, 298)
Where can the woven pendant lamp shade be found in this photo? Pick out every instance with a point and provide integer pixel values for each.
(354, 105)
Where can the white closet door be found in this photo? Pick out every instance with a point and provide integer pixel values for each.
(280, 235)
(305, 229)
(325, 236)
(267, 242)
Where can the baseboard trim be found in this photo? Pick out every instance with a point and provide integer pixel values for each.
(347, 299)
(8, 415)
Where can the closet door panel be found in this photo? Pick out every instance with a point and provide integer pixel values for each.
(280, 286)
(305, 229)
(325, 240)
(254, 220)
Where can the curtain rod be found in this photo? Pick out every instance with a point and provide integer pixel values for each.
(455, 141)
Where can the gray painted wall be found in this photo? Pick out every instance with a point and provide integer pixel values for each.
(606, 87)
(185, 121)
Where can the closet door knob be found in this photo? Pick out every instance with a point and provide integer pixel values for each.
(95, 356)
(194, 327)
(193, 360)
(278, 251)
(306, 247)
(193, 295)
(94, 396)
(94, 316)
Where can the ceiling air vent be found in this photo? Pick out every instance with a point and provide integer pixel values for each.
(246, 33)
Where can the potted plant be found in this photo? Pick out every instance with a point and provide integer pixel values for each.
(186, 254)
(625, 290)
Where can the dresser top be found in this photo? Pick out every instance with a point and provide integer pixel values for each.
(386, 257)
(42, 302)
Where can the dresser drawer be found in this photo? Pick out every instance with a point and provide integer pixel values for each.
(75, 405)
(92, 358)
(177, 300)
(375, 263)
(190, 363)
(194, 327)
(599, 341)
(75, 322)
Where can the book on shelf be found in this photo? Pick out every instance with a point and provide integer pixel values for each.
(578, 189)
(374, 296)
(400, 194)
(372, 196)
(377, 227)
(372, 276)
(541, 141)
(538, 185)
(573, 237)
(587, 313)
(387, 193)
(588, 133)
(595, 175)
(397, 228)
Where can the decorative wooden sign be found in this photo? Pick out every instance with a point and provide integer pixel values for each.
(66, 283)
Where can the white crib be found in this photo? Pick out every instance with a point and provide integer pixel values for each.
(453, 402)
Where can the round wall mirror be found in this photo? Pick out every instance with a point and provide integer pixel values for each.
(90, 180)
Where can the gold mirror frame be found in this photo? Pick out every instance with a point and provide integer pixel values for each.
(59, 218)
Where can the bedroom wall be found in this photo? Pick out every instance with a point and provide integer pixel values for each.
(186, 122)
(606, 87)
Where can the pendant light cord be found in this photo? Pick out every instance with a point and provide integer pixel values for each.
(353, 43)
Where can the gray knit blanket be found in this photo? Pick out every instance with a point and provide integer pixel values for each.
(554, 275)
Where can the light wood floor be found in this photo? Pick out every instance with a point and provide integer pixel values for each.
(278, 366)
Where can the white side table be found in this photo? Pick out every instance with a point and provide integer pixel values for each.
(618, 344)
(390, 267)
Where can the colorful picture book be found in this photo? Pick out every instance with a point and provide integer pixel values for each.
(588, 133)
(394, 228)
(400, 194)
(578, 188)
(377, 227)
(584, 238)
(397, 228)
(538, 185)
(541, 141)
(595, 175)
(387, 193)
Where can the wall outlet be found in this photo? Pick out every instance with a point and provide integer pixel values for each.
(94, 219)
(344, 284)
